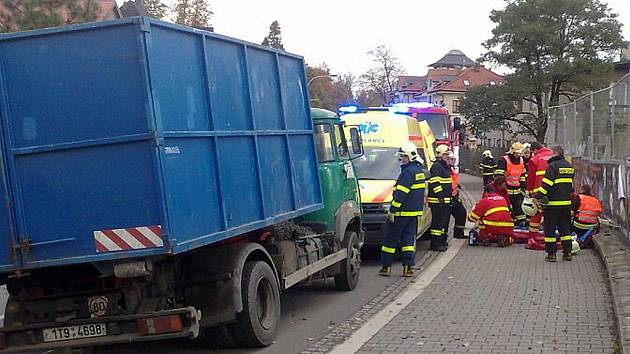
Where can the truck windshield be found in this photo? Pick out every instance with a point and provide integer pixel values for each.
(438, 124)
(377, 163)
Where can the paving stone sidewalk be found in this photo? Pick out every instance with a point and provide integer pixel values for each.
(491, 300)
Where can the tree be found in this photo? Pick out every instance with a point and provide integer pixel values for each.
(274, 38)
(183, 11)
(381, 80)
(155, 8)
(489, 108)
(201, 13)
(328, 92)
(555, 48)
(22, 15)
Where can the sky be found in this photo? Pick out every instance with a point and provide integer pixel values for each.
(341, 32)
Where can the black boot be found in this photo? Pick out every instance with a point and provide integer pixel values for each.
(551, 257)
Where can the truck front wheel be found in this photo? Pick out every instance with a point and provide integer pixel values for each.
(348, 277)
(257, 324)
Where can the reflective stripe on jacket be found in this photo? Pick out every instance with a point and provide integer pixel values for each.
(492, 210)
(537, 167)
(440, 183)
(557, 183)
(408, 196)
(589, 210)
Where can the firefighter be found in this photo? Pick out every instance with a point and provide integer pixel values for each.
(406, 208)
(535, 173)
(528, 152)
(512, 167)
(586, 210)
(440, 194)
(555, 196)
(458, 211)
(495, 221)
(500, 187)
(487, 167)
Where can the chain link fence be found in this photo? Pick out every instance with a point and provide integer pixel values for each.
(595, 126)
(595, 132)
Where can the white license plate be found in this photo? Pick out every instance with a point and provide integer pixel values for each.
(74, 332)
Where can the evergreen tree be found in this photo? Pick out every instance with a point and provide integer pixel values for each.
(183, 11)
(22, 15)
(274, 38)
(201, 13)
(155, 8)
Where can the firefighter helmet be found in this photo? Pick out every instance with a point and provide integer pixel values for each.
(529, 207)
(575, 246)
(441, 150)
(411, 151)
(487, 153)
(516, 148)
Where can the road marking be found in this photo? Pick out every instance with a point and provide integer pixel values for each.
(383, 317)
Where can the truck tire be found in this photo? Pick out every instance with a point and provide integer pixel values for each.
(257, 324)
(348, 277)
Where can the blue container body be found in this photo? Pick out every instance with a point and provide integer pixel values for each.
(136, 124)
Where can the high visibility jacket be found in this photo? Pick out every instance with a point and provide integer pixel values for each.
(513, 170)
(487, 166)
(408, 196)
(588, 211)
(537, 167)
(440, 183)
(557, 183)
(492, 210)
(454, 183)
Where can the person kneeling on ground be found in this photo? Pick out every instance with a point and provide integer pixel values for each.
(495, 221)
(586, 210)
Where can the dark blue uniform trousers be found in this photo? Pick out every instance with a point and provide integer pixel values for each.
(402, 231)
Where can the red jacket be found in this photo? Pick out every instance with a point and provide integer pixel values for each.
(492, 210)
(536, 168)
(502, 192)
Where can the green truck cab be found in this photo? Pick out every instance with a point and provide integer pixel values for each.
(337, 145)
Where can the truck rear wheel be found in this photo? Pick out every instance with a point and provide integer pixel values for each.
(257, 324)
(348, 277)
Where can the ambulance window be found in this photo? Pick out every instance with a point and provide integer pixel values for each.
(324, 143)
(340, 139)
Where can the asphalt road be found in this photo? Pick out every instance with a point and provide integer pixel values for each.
(307, 313)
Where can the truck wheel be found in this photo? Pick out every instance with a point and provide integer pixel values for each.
(257, 324)
(348, 278)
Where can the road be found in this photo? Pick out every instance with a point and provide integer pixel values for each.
(308, 312)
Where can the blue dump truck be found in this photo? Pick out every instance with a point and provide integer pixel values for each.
(161, 182)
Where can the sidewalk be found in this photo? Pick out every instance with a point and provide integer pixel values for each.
(491, 300)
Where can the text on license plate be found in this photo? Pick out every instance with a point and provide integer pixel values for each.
(74, 332)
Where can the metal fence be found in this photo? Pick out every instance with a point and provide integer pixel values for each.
(595, 132)
(595, 126)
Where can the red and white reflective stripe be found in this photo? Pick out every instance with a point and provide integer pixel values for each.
(133, 238)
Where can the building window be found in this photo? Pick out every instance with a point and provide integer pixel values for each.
(466, 83)
(456, 106)
(498, 143)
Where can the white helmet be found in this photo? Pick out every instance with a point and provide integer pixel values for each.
(487, 153)
(575, 246)
(529, 207)
(411, 151)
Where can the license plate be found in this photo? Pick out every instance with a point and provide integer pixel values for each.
(74, 332)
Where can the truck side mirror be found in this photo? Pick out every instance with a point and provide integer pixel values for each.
(457, 123)
(357, 143)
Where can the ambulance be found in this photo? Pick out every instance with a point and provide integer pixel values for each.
(383, 132)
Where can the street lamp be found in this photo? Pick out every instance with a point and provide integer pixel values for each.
(320, 76)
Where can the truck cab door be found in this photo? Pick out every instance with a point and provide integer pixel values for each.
(9, 247)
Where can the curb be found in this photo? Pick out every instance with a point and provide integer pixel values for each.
(614, 251)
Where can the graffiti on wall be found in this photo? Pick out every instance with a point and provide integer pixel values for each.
(609, 182)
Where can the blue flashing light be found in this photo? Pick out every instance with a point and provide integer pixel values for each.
(348, 109)
(399, 108)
